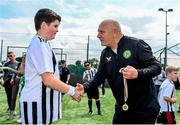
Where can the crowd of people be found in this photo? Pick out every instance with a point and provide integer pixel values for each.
(127, 64)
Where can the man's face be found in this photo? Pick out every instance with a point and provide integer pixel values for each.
(106, 34)
(11, 56)
(63, 64)
(52, 29)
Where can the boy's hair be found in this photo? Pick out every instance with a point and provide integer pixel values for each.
(87, 63)
(45, 15)
(169, 69)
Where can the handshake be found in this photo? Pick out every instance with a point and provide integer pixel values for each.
(76, 92)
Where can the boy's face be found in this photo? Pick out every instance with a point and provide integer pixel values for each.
(88, 66)
(173, 75)
(52, 29)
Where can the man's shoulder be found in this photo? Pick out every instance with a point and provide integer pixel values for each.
(131, 38)
(6, 63)
(105, 51)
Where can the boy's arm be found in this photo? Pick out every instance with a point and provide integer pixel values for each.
(168, 99)
(51, 81)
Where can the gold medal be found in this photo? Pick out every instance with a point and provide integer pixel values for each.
(125, 107)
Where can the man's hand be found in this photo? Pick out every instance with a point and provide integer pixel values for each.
(130, 72)
(12, 82)
(79, 92)
(80, 88)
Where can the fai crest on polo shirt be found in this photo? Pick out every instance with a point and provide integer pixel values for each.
(127, 54)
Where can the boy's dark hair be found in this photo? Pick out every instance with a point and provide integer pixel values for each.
(45, 15)
(87, 63)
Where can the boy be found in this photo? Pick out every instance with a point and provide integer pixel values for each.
(94, 93)
(40, 98)
(167, 98)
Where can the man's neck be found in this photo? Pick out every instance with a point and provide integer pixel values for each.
(115, 46)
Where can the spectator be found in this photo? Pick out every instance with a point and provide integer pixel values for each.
(88, 75)
(158, 80)
(64, 72)
(167, 98)
(6, 82)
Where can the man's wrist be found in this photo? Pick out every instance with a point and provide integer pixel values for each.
(71, 91)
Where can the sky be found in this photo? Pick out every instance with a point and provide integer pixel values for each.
(80, 18)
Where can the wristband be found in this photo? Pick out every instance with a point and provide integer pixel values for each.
(71, 91)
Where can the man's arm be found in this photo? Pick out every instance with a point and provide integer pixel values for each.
(10, 69)
(68, 78)
(150, 66)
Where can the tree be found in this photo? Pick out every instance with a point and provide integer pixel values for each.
(78, 63)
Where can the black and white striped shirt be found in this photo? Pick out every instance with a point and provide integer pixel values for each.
(89, 74)
(39, 104)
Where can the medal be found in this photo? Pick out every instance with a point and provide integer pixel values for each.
(125, 107)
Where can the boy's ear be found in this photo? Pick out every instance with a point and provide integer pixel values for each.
(43, 25)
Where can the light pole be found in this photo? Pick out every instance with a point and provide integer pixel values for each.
(165, 51)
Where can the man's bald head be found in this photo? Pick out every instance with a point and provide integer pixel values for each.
(113, 24)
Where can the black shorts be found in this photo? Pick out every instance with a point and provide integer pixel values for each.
(93, 94)
(166, 118)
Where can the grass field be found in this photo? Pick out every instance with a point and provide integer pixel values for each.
(76, 113)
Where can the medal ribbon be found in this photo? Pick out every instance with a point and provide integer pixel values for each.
(125, 87)
(125, 90)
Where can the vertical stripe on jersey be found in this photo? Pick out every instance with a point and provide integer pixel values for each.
(34, 112)
(44, 111)
(25, 112)
(51, 105)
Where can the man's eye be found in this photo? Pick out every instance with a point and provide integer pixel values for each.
(102, 32)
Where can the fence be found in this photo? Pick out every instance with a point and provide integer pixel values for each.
(73, 48)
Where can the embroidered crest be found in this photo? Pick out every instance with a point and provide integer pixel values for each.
(108, 59)
(127, 54)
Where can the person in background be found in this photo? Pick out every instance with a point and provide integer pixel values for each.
(40, 99)
(158, 80)
(129, 66)
(167, 98)
(177, 86)
(64, 72)
(103, 89)
(6, 82)
(88, 75)
(15, 83)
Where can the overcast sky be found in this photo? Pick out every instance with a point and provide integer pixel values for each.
(138, 18)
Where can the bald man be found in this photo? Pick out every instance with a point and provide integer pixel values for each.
(129, 66)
